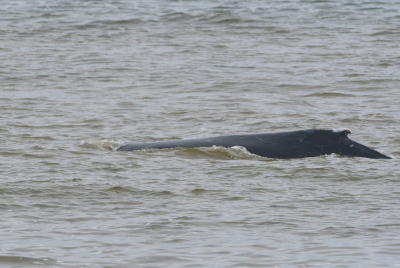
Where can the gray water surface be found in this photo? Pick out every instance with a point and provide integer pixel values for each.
(81, 78)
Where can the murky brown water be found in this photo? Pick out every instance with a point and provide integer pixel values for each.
(80, 78)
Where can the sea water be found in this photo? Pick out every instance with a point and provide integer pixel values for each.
(80, 78)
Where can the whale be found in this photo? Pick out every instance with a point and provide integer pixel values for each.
(280, 145)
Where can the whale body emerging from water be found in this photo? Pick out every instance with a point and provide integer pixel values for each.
(282, 145)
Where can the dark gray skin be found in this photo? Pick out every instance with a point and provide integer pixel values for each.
(282, 145)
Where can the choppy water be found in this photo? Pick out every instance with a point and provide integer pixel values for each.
(80, 78)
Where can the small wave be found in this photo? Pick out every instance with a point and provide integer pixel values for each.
(139, 192)
(329, 94)
(240, 152)
(107, 22)
(216, 152)
(177, 16)
(121, 21)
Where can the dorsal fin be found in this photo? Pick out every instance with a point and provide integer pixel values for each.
(343, 131)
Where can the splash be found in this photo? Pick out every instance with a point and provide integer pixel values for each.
(109, 145)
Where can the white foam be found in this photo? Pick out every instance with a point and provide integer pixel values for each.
(105, 144)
